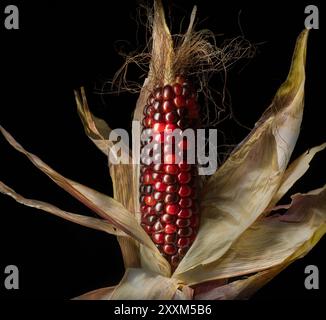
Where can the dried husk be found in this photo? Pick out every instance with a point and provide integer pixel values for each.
(294, 172)
(139, 284)
(99, 133)
(90, 222)
(237, 194)
(270, 241)
(99, 294)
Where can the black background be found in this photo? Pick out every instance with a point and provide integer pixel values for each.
(60, 47)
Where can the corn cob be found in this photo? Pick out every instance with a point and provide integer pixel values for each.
(168, 191)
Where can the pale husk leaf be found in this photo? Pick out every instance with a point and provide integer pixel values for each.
(294, 172)
(271, 241)
(99, 133)
(90, 222)
(98, 294)
(237, 194)
(105, 206)
(138, 284)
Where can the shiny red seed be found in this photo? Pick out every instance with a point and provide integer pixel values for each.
(150, 201)
(170, 228)
(182, 223)
(168, 106)
(185, 202)
(182, 251)
(158, 117)
(183, 242)
(168, 93)
(172, 208)
(184, 177)
(170, 238)
(158, 238)
(169, 249)
(157, 106)
(170, 117)
(158, 94)
(159, 207)
(172, 188)
(159, 127)
(169, 179)
(168, 218)
(171, 198)
(175, 259)
(185, 232)
(148, 179)
(185, 213)
(179, 101)
(171, 169)
(158, 195)
(150, 220)
(177, 88)
(158, 227)
(160, 186)
(184, 191)
(158, 167)
(147, 228)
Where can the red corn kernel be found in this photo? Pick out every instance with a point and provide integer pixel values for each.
(169, 249)
(171, 169)
(148, 229)
(177, 88)
(150, 201)
(185, 232)
(170, 238)
(175, 259)
(172, 208)
(168, 218)
(182, 223)
(185, 202)
(185, 213)
(158, 237)
(160, 186)
(159, 127)
(179, 101)
(168, 93)
(184, 191)
(168, 106)
(172, 188)
(170, 228)
(184, 177)
(183, 242)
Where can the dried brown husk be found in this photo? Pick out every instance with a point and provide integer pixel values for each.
(238, 193)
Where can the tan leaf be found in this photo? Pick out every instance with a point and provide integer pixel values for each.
(294, 172)
(271, 241)
(137, 284)
(103, 205)
(90, 222)
(99, 294)
(237, 194)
